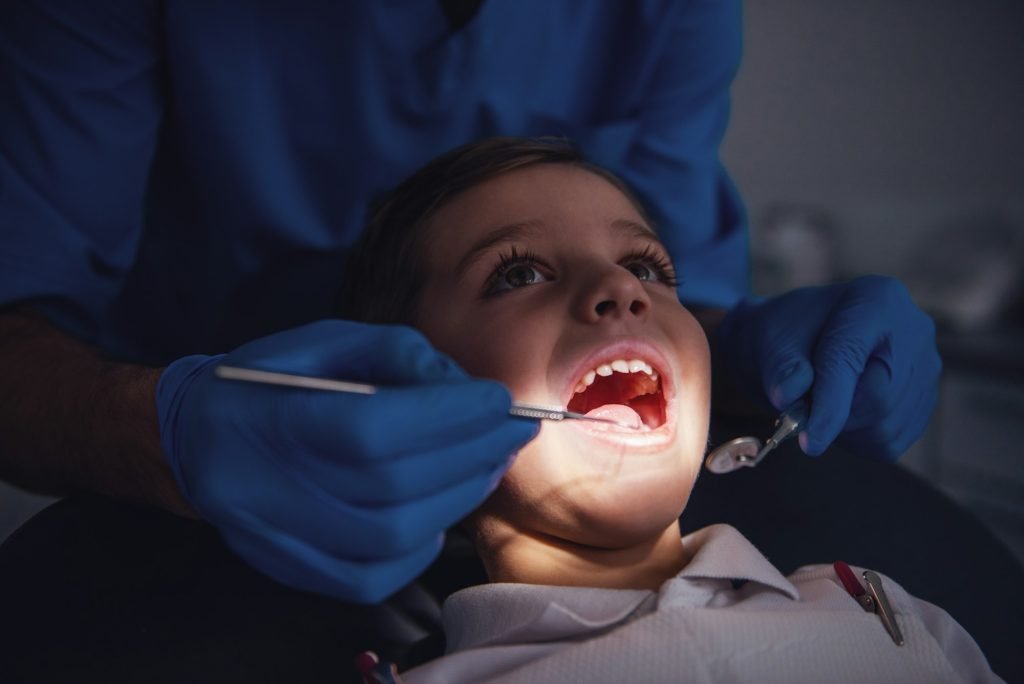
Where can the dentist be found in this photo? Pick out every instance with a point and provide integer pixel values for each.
(179, 183)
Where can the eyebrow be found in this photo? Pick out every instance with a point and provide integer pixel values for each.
(636, 229)
(514, 232)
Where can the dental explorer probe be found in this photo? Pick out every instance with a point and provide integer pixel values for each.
(313, 382)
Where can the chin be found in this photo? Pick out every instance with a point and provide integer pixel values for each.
(631, 527)
(628, 508)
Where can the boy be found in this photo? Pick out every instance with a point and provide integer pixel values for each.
(527, 265)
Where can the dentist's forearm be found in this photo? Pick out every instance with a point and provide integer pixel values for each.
(73, 422)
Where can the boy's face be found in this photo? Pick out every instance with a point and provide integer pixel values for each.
(547, 279)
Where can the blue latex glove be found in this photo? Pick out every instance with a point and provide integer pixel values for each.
(346, 495)
(863, 349)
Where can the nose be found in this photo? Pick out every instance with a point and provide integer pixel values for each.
(614, 293)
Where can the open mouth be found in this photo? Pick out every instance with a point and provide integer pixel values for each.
(629, 391)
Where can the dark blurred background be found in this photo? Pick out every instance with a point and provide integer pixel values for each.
(887, 136)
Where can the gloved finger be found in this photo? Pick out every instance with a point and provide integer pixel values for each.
(910, 342)
(840, 357)
(295, 563)
(889, 384)
(918, 414)
(895, 431)
(397, 421)
(789, 327)
(878, 412)
(414, 476)
(346, 350)
(788, 381)
(896, 434)
(373, 532)
(876, 396)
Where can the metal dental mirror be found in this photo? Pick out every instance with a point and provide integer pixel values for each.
(748, 451)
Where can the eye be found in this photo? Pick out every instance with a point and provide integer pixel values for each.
(650, 265)
(516, 270)
(518, 276)
(642, 271)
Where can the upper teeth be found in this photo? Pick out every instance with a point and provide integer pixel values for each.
(616, 366)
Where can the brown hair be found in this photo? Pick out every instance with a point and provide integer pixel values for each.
(383, 272)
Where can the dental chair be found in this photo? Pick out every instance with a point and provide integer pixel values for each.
(93, 590)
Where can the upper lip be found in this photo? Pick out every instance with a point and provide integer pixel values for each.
(628, 349)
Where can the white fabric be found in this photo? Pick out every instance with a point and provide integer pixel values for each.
(699, 628)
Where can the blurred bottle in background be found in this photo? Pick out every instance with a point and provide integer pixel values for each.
(969, 274)
(792, 245)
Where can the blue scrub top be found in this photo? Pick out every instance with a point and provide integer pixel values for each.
(180, 177)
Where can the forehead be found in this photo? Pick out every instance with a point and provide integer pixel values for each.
(561, 197)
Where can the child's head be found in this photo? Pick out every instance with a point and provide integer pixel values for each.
(528, 266)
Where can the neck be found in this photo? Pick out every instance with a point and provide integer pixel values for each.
(511, 555)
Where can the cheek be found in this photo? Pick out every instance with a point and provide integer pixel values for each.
(516, 500)
(482, 354)
(694, 354)
(497, 341)
(694, 358)
(449, 328)
(523, 498)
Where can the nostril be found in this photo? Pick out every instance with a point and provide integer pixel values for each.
(603, 307)
(637, 307)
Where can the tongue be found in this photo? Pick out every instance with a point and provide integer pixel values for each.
(617, 412)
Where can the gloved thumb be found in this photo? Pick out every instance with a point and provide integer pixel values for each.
(788, 380)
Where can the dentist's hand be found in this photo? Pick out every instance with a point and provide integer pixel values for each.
(346, 495)
(863, 349)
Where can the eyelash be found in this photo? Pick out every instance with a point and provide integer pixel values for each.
(657, 261)
(506, 262)
(648, 255)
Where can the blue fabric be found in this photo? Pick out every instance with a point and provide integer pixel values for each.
(180, 177)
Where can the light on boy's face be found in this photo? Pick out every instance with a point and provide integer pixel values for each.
(547, 279)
